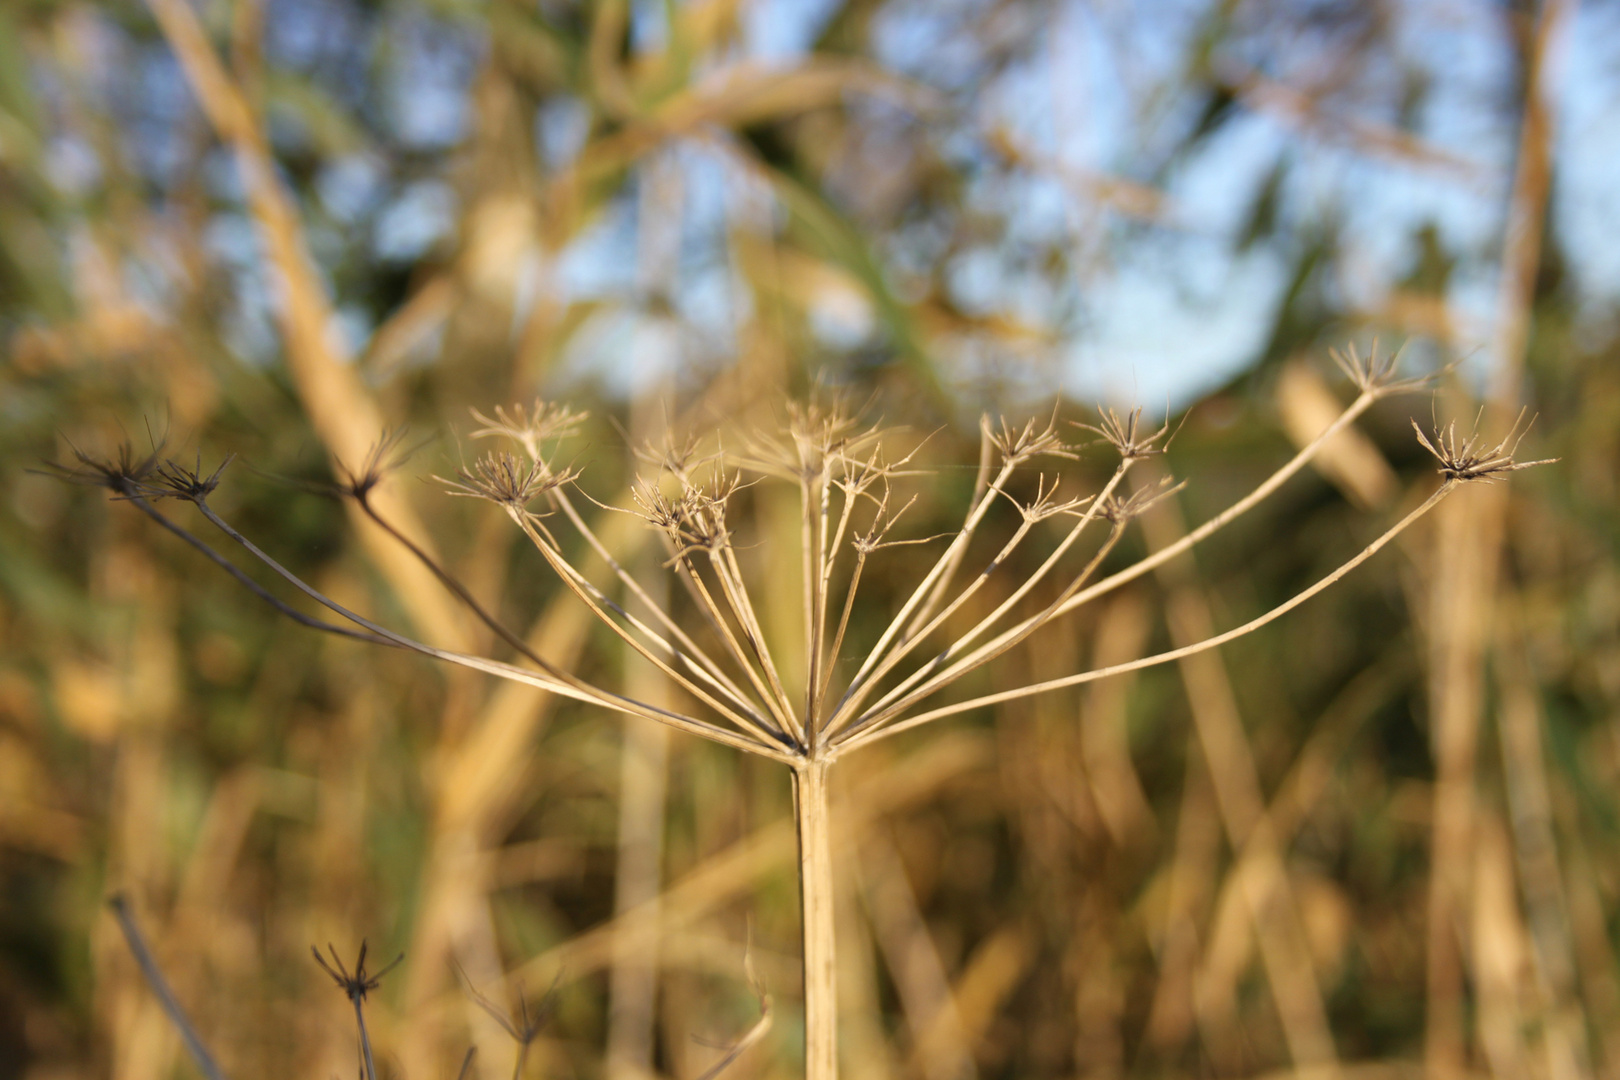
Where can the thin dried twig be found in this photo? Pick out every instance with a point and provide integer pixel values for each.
(119, 903)
(523, 1026)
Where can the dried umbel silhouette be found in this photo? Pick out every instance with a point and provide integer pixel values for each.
(851, 488)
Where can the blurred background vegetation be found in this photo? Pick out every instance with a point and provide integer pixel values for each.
(1377, 838)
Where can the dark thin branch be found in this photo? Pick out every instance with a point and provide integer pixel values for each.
(119, 903)
(356, 986)
(448, 580)
(253, 586)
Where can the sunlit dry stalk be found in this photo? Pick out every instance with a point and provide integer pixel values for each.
(1468, 555)
(846, 477)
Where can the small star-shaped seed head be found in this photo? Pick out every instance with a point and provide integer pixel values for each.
(530, 428)
(507, 481)
(1118, 510)
(1018, 445)
(383, 458)
(123, 474)
(361, 982)
(1464, 458)
(1126, 435)
(172, 480)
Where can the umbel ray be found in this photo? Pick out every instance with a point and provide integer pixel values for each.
(741, 691)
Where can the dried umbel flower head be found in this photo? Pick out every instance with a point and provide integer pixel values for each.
(1018, 445)
(1126, 434)
(385, 457)
(361, 982)
(508, 481)
(736, 687)
(171, 480)
(1374, 374)
(1464, 458)
(124, 473)
(532, 428)
(1121, 510)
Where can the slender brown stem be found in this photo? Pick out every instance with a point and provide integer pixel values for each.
(253, 586)
(981, 484)
(160, 986)
(1254, 498)
(843, 625)
(812, 560)
(738, 590)
(818, 902)
(573, 688)
(599, 602)
(365, 1037)
(1108, 584)
(723, 626)
(451, 582)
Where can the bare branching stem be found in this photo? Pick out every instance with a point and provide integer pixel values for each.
(981, 487)
(1218, 640)
(1260, 494)
(570, 688)
(722, 623)
(854, 700)
(944, 565)
(894, 704)
(253, 586)
(690, 651)
(589, 597)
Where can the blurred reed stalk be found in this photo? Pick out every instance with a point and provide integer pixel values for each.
(849, 484)
(1465, 565)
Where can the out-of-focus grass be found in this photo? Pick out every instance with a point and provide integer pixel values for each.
(1079, 883)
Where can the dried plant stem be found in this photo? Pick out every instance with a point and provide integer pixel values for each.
(938, 675)
(981, 486)
(570, 688)
(249, 584)
(1074, 599)
(1361, 404)
(818, 903)
(873, 734)
(717, 617)
(853, 701)
(365, 1038)
(593, 599)
(705, 668)
(946, 563)
(160, 986)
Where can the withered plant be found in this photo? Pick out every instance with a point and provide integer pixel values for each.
(853, 492)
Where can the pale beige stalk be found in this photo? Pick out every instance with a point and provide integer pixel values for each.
(818, 901)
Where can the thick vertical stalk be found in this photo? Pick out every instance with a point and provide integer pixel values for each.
(816, 893)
